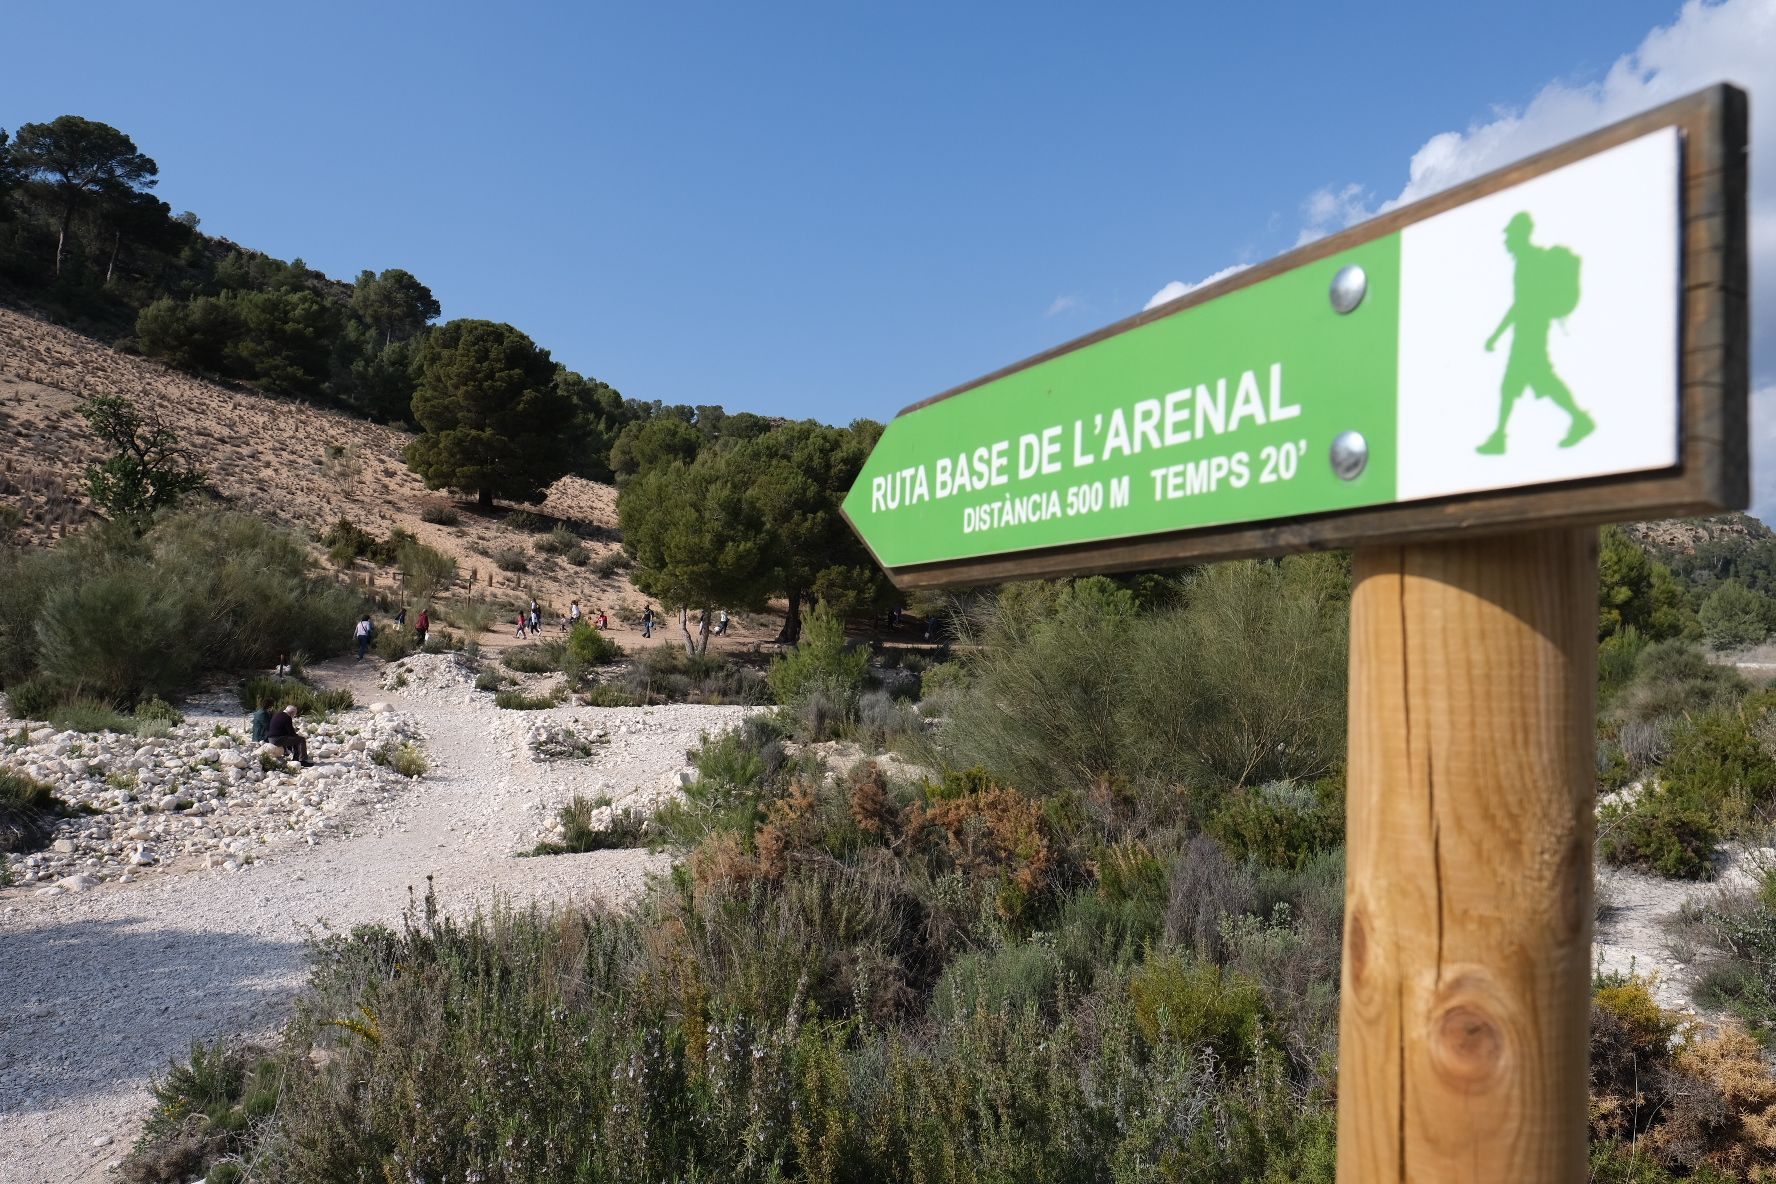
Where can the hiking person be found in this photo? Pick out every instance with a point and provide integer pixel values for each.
(260, 720)
(362, 633)
(422, 625)
(281, 731)
(520, 619)
(647, 621)
(573, 614)
(721, 623)
(401, 618)
(1544, 289)
(536, 619)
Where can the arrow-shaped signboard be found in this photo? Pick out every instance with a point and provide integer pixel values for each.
(1550, 343)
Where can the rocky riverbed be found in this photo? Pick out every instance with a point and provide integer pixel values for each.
(202, 795)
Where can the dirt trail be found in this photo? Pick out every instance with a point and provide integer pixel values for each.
(98, 990)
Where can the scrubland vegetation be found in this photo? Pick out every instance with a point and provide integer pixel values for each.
(111, 618)
(1098, 939)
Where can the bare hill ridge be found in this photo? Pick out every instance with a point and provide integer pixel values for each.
(297, 464)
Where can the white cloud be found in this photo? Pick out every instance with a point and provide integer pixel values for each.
(1179, 288)
(1327, 209)
(1061, 304)
(1733, 41)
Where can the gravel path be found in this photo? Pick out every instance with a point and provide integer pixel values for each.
(98, 990)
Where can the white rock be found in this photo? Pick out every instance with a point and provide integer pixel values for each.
(64, 846)
(379, 708)
(79, 882)
(168, 804)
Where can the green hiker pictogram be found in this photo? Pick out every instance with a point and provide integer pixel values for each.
(1544, 289)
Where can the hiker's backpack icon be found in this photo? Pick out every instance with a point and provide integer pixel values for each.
(1544, 289)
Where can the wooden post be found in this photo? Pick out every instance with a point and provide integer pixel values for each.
(1467, 952)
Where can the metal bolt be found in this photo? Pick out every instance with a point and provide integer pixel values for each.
(1348, 287)
(1350, 454)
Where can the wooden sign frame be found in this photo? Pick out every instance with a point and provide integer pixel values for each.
(1713, 470)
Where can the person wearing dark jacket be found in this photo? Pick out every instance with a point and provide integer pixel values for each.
(261, 720)
(281, 731)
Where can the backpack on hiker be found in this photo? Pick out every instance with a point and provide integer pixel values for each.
(1559, 282)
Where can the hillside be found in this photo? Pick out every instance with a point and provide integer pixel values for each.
(295, 463)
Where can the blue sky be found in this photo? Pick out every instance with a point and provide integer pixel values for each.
(810, 210)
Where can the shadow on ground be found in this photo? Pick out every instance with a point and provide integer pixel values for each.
(166, 988)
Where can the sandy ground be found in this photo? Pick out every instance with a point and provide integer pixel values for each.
(98, 990)
(1634, 934)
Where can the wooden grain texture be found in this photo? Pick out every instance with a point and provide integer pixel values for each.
(1713, 473)
(1467, 953)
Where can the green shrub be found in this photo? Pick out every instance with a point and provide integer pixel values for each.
(539, 657)
(407, 759)
(347, 542)
(83, 714)
(1195, 1006)
(392, 643)
(474, 616)
(123, 618)
(205, 1110)
(489, 680)
(1281, 824)
(28, 811)
(611, 563)
(515, 700)
(510, 559)
(943, 681)
(530, 521)
(594, 647)
(1012, 978)
(439, 515)
(311, 701)
(1662, 832)
(1241, 680)
(605, 695)
(156, 708)
(1738, 930)
(623, 828)
(1674, 679)
(33, 698)
(558, 541)
(1734, 616)
(821, 671)
(425, 569)
(1717, 761)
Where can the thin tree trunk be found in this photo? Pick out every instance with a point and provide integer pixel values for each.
(62, 236)
(703, 642)
(792, 620)
(484, 499)
(111, 266)
(684, 623)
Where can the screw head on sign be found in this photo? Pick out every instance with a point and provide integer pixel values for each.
(1350, 455)
(1348, 287)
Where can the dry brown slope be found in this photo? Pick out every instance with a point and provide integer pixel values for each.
(265, 454)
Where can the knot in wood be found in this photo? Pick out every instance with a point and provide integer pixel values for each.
(1468, 1045)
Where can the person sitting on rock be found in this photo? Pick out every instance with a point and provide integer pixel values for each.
(261, 720)
(281, 731)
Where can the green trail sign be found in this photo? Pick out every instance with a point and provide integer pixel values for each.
(1486, 349)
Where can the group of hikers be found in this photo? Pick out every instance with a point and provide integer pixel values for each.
(365, 632)
(529, 622)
